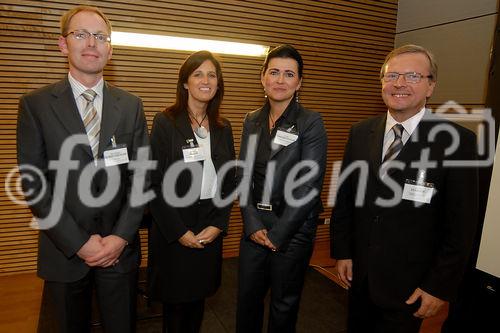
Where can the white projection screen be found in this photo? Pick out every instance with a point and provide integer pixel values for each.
(489, 251)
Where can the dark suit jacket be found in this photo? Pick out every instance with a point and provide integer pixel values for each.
(174, 270)
(402, 247)
(311, 145)
(47, 117)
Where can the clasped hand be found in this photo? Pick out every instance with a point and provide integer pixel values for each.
(198, 241)
(102, 251)
(260, 237)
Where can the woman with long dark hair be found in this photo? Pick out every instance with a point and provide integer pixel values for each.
(185, 253)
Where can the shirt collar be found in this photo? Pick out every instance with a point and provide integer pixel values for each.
(78, 88)
(284, 115)
(409, 124)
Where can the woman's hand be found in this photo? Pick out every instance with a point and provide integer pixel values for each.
(208, 235)
(260, 237)
(189, 240)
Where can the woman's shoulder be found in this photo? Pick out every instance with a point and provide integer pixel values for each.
(224, 121)
(164, 118)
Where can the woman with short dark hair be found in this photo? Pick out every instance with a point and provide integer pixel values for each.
(281, 213)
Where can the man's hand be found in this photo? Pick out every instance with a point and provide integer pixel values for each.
(90, 248)
(112, 248)
(429, 305)
(189, 240)
(208, 235)
(344, 268)
(260, 237)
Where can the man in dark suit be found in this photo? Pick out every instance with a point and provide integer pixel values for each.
(93, 240)
(404, 220)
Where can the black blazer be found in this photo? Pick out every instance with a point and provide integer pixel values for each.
(168, 137)
(176, 273)
(311, 145)
(47, 117)
(403, 247)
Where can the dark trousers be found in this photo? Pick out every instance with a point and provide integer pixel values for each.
(283, 272)
(67, 306)
(365, 316)
(183, 317)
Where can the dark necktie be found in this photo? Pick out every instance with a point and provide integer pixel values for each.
(396, 145)
(91, 121)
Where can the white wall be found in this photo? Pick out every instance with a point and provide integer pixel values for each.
(460, 34)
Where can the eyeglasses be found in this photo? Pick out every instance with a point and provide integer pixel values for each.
(82, 34)
(410, 77)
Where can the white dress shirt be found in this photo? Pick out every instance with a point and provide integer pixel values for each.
(209, 179)
(81, 102)
(409, 126)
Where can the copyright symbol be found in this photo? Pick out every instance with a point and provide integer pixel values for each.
(14, 179)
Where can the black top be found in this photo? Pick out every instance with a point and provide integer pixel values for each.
(264, 151)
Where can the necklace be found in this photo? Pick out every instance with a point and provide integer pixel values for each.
(273, 122)
(201, 131)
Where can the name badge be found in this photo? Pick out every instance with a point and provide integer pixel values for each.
(285, 137)
(418, 191)
(116, 155)
(192, 153)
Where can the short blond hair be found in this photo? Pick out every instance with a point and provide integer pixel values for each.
(411, 48)
(66, 18)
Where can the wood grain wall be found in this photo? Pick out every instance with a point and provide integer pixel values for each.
(343, 44)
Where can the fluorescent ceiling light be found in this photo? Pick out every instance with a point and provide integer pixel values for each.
(119, 38)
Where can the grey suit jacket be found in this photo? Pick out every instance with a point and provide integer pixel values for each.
(310, 145)
(47, 117)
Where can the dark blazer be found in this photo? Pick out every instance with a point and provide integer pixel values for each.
(311, 145)
(177, 273)
(403, 247)
(47, 117)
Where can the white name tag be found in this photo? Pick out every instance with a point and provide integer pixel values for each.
(115, 156)
(285, 137)
(192, 154)
(418, 192)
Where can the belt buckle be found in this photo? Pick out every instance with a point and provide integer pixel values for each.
(263, 206)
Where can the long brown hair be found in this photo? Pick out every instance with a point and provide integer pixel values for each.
(181, 101)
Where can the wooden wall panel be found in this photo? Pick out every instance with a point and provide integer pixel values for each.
(343, 44)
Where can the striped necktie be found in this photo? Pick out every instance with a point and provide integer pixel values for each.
(91, 121)
(396, 145)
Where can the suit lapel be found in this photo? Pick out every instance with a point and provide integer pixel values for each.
(183, 125)
(414, 146)
(64, 106)
(257, 126)
(289, 120)
(376, 138)
(215, 136)
(111, 115)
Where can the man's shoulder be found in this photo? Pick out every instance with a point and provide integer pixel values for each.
(437, 122)
(369, 124)
(47, 90)
(120, 93)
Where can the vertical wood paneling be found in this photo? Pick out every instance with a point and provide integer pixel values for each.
(343, 44)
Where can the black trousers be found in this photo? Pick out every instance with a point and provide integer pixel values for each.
(283, 272)
(67, 307)
(183, 317)
(365, 316)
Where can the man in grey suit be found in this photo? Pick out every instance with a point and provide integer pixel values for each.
(402, 248)
(93, 241)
